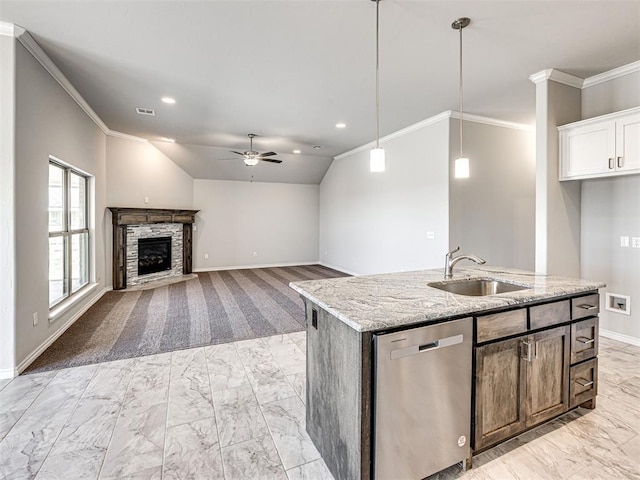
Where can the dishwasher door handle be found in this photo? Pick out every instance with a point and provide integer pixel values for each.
(426, 347)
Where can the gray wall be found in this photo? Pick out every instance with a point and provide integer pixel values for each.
(7, 206)
(612, 96)
(378, 222)
(137, 169)
(48, 122)
(277, 221)
(610, 209)
(557, 204)
(492, 213)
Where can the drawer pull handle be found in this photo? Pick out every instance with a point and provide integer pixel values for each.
(610, 163)
(586, 306)
(620, 162)
(584, 383)
(586, 340)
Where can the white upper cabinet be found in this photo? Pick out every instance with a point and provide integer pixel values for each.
(601, 146)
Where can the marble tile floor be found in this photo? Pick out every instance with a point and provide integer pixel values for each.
(236, 411)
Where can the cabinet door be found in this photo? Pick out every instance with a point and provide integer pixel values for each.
(548, 375)
(500, 381)
(628, 143)
(588, 150)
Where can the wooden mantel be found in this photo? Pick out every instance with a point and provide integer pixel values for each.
(121, 217)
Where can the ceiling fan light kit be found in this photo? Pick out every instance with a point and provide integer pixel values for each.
(461, 166)
(376, 156)
(252, 158)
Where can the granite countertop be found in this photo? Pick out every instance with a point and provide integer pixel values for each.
(377, 302)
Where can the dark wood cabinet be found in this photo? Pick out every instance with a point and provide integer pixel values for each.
(500, 379)
(519, 383)
(546, 365)
(548, 374)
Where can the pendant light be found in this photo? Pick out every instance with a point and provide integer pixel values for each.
(461, 168)
(376, 156)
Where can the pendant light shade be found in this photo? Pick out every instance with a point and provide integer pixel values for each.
(461, 167)
(376, 156)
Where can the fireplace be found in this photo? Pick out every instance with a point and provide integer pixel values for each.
(133, 224)
(154, 255)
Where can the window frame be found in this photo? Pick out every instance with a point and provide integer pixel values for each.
(67, 233)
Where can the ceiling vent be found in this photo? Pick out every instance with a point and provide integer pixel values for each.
(146, 111)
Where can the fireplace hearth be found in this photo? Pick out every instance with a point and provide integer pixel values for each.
(154, 255)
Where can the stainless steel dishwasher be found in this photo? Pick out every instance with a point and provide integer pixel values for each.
(422, 400)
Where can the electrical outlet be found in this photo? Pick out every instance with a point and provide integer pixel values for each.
(431, 235)
(624, 241)
(35, 318)
(255, 254)
(195, 227)
(206, 256)
(146, 199)
(635, 242)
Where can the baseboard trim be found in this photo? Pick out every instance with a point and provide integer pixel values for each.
(620, 337)
(244, 267)
(47, 343)
(339, 269)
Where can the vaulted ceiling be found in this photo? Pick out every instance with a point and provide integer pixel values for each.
(290, 70)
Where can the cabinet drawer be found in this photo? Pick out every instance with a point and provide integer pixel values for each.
(585, 306)
(583, 385)
(498, 325)
(549, 314)
(584, 340)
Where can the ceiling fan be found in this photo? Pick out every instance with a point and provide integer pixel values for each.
(251, 157)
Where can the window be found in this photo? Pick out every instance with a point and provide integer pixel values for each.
(68, 232)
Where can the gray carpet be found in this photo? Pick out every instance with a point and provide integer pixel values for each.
(217, 307)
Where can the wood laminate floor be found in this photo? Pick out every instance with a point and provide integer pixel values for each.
(236, 411)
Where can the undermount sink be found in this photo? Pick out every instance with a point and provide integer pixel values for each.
(477, 287)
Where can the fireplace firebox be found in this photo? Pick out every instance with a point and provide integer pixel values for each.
(154, 255)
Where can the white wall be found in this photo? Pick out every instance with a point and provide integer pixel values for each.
(48, 122)
(610, 209)
(492, 213)
(7, 207)
(277, 221)
(137, 169)
(378, 222)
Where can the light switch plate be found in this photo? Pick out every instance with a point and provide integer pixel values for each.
(624, 241)
(635, 242)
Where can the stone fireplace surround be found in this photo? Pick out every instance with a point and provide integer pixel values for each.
(129, 224)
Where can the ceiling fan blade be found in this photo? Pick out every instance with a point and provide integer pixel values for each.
(237, 153)
(267, 154)
(225, 159)
(272, 160)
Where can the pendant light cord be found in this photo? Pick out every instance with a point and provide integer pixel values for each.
(460, 83)
(377, 73)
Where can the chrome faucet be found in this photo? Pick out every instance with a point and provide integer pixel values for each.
(450, 261)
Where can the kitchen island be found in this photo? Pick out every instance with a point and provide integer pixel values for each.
(534, 354)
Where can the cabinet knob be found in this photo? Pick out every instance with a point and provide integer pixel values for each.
(611, 163)
(620, 162)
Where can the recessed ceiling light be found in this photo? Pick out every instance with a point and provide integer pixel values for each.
(341, 125)
(169, 100)
(296, 151)
(167, 139)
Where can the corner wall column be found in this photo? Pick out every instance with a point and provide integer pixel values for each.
(557, 246)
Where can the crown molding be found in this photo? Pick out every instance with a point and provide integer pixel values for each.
(557, 76)
(633, 67)
(468, 117)
(7, 29)
(126, 136)
(36, 51)
(16, 31)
